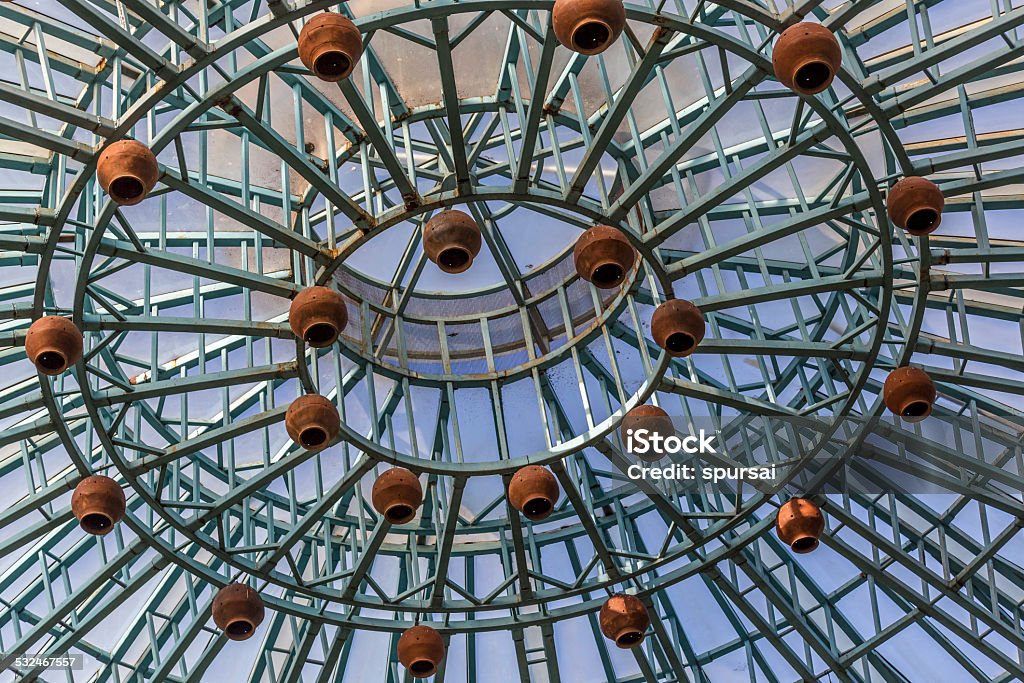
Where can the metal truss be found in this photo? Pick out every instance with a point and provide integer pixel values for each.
(765, 208)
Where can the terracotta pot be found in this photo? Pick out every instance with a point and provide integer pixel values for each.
(452, 240)
(533, 491)
(603, 256)
(678, 326)
(806, 58)
(799, 525)
(238, 611)
(421, 651)
(397, 495)
(654, 420)
(624, 619)
(330, 46)
(318, 315)
(312, 421)
(127, 171)
(53, 344)
(915, 205)
(98, 504)
(588, 26)
(909, 393)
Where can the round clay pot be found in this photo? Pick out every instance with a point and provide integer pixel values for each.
(452, 240)
(915, 205)
(421, 651)
(624, 619)
(238, 611)
(654, 420)
(330, 46)
(909, 393)
(806, 58)
(318, 315)
(397, 495)
(603, 256)
(53, 344)
(127, 171)
(799, 525)
(98, 504)
(678, 326)
(533, 491)
(588, 26)
(312, 421)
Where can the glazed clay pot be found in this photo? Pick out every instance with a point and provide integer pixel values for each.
(588, 26)
(330, 46)
(806, 58)
(53, 344)
(238, 611)
(603, 256)
(312, 421)
(397, 495)
(624, 619)
(452, 240)
(654, 420)
(915, 205)
(127, 171)
(98, 504)
(799, 525)
(909, 393)
(678, 326)
(421, 651)
(318, 315)
(533, 491)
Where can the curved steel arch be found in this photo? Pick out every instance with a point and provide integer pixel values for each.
(181, 429)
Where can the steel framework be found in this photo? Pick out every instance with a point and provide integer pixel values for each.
(765, 208)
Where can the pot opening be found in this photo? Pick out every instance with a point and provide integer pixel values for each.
(422, 668)
(126, 189)
(239, 629)
(454, 259)
(629, 639)
(537, 507)
(51, 360)
(399, 514)
(916, 409)
(805, 544)
(332, 64)
(313, 437)
(813, 76)
(680, 342)
(96, 523)
(590, 36)
(922, 221)
(320, 334)
(607, 275)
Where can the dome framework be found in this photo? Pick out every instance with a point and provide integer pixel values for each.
(764, 208)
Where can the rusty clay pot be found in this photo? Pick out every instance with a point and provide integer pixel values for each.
(421, 651)
(330, 46)
(799, 525)
(533, 491)
(238, 611)
(452, 240)
(397, 494)
(98, 504)
(624, 619)
(312, 421)
(588, 26)
(654, 420)
(53, 344)
(909, 393)
(603, 256)
(915, 205)
(678, 326)
(318, 315)
(806, 58)
(127, 171)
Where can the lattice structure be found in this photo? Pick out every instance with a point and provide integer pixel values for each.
(765, 208)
